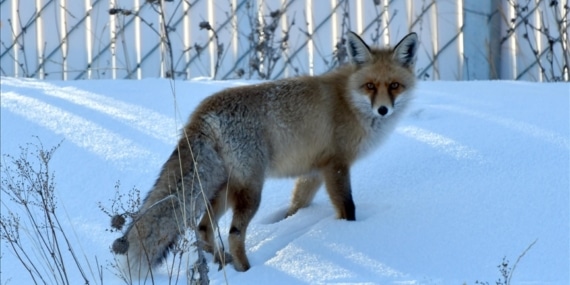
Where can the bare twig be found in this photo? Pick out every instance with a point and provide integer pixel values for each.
(518, 260)
(205, 25)
(29, 184)
(553, 60)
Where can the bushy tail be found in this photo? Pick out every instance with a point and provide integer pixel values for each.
(175, 202)
(150, 236)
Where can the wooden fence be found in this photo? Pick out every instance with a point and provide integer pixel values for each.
(228, 39)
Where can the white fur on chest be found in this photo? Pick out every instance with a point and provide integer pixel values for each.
(377, 131)
(376, 127)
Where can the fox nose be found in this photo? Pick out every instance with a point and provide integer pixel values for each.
(382, 110)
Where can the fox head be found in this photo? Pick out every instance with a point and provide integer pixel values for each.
(382, 77)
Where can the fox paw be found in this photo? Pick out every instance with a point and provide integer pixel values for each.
(222, 258)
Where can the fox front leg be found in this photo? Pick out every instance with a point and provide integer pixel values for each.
(337, 182)
(305, 189)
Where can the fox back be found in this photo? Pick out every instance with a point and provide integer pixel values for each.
(310, 127)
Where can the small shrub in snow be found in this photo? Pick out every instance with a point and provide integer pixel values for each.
(32, 229)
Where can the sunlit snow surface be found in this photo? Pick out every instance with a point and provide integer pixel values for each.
(476, 171)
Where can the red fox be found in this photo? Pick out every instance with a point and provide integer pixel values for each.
(311, 127)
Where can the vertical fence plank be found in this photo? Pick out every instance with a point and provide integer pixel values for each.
(334, 24)
(55, 54)
(200, 40)
(15, 32)
(98, 66)
(148, 62)
(460, 39)
(434, 40)
(137, 43)
(73, 20)
(480, 41)
(224, 50)
(368, 18)
(494, 50)
(511, 47)
(233, 29)
(224, 39)
(112, 40)
(358, 19)
(297, 57)
(323, 39)
(538, 38)
(212, 46)
(398, 21)
(39, 40)
(449, 33)
(285, 30)
(185, 38)
(161, 8)
(63, 37)
(565, 40)
(88, 37)
(8, 65)
(311, 36)
(385, 28)
(410, 14)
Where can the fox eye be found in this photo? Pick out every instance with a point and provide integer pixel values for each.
(394, 85)
(370, 86)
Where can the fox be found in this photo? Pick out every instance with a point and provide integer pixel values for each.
(312, 128)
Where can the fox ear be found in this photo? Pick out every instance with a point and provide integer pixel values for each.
(358, 51)
(405, 50)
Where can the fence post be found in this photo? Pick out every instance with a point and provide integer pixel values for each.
(212, 45)
(234, 45)
(410, 14)
(494, 49)
(435, 41)
(39, 40)
(311, 34)
(162, 44)
(138, 51)
(538, 38)
(15, 33)
(284, 24)
(482, 47)
(186, 37)
(112, 39)
(63, 37)
(385, 22)
(460, 39)
(359, 24)
(509, 60)
(564, 15)
(88, 36)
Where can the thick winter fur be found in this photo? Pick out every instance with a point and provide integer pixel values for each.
(313, 128)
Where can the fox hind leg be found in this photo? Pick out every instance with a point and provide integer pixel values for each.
(246, 202)
(217, 207)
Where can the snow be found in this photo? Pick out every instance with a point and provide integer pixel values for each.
(475, 171)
